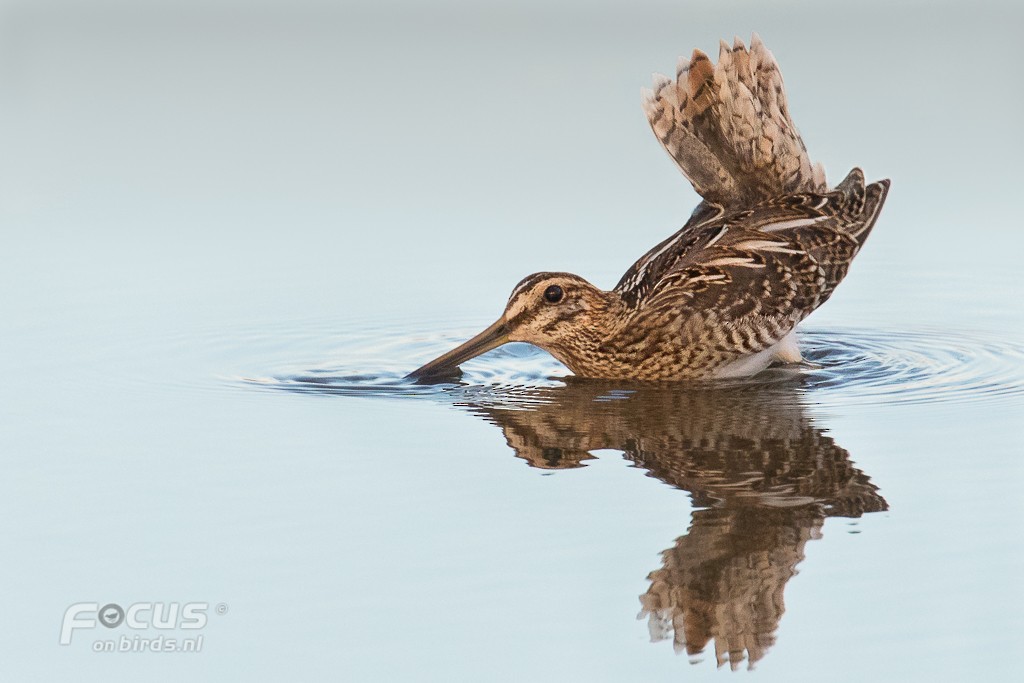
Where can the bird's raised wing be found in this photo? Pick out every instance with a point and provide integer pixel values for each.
(728, 127)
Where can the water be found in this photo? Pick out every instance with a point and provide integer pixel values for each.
(841, 367)
(229, 233)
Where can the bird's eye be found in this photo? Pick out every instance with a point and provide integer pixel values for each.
(553, 294)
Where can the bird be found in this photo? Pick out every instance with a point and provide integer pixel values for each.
(720, 298)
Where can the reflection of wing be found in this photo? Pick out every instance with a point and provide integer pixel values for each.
(750, 445)
(787, 464)
(724, 581)
(752, 455)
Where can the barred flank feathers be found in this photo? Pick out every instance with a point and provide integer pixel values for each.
(728, 127)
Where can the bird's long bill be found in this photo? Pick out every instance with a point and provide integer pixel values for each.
(493, 337)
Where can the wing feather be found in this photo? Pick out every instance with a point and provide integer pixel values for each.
(738, 283)
(728, 127)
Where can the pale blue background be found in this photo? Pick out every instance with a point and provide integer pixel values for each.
(184, 185)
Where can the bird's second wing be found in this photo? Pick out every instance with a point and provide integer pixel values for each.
(752, 275)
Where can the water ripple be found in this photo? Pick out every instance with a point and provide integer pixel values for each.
(920, 366)
(842, 367)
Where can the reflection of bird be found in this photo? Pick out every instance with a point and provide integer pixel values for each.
(721, 297)
(767, 476)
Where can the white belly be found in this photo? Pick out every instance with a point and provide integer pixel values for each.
(785, 351)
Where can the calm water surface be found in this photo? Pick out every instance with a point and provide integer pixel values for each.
(228, 236)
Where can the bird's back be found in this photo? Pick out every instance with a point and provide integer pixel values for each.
(821, 230)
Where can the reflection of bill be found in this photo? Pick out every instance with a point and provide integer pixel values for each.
(766, 476)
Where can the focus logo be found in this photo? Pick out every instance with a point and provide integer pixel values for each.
(110, 615)
(139, 615)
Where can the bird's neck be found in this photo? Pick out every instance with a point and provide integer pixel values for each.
(588, 352)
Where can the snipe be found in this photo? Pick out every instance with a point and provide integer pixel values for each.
(720, 298)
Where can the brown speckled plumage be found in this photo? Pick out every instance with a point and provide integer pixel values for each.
(768, 244)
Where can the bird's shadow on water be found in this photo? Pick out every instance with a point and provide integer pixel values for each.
(762, 474)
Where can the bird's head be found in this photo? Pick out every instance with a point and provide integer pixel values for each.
(560, 312)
